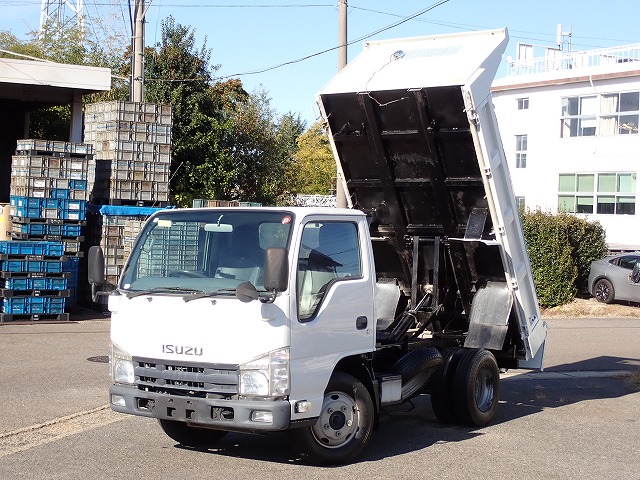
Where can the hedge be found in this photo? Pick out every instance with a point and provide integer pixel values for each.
(561, 249)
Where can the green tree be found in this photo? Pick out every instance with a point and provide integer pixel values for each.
(179, 74)
(262, 150)
(313, 170)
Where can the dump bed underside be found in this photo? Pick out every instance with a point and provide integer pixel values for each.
(409, 158)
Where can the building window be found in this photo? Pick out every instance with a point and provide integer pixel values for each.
(523, 104)
(520, 203)
(619, 113)
(579, 116)
(606, 193)
(521, 151)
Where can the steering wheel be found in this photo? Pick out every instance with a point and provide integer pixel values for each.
(186, 273)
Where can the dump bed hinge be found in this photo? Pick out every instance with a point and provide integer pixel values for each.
(469, 109)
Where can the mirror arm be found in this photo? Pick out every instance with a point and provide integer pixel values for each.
(271, 298)
(96, 294)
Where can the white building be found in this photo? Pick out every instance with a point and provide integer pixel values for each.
(569, 125)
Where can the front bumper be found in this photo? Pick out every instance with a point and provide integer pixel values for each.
(232, 415)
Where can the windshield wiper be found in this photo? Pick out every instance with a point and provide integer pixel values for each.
(217, 293)
(162, 290)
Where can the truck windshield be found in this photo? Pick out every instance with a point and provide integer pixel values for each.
(184, 252)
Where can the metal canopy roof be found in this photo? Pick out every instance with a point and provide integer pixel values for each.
(49, 82)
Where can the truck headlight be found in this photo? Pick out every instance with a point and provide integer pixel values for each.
(266, 376)
(121, 366)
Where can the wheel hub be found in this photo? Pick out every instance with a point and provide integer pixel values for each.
(484, 391)
(338, 420)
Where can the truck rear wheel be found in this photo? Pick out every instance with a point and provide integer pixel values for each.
(441, 386)
(344, 426)
(190, 436)
(476, 387)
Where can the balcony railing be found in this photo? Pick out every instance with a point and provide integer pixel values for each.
(556, 60)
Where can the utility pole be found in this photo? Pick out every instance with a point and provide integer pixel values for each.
(137, 57)
(342, 34)
(341, 197)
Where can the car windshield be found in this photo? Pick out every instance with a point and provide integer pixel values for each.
(190, 252)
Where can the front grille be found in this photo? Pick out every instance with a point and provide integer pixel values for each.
(188, 379)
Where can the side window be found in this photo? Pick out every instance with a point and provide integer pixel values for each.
(628, 262)
(329, 252)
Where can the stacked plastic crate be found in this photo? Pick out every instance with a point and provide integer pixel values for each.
(33, 285)
(132, 144)
(49, 193)
(115, 229)
(133, 152)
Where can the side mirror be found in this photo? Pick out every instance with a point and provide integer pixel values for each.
(635, 273)
(276, 269)
(95, 264)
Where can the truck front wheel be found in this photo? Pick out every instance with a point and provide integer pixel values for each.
(190, 436)
(344, 426)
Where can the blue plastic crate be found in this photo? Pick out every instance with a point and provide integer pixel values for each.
(73, 209)
(24, 211)
(44, 283)
(56, 284)
(44, 266)
(18, 283)
(51, 203)
(40, 266)
(34, 228)
(70, 230)
(60, 193)
(13, 247)
(17, 201)
(78, 184)
(33, 305)
(12, 265)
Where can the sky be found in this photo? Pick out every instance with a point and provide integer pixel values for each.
(249, 39)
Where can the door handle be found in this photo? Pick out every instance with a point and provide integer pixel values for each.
(361, 323)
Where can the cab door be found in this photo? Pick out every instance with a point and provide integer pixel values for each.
(333, 309)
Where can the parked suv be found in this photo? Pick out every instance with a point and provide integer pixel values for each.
(611, 279)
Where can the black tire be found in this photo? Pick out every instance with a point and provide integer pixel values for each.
(190, 436)
(603, 291)
(344, 426)
(441, 386)
(476, 388)
(416, 369)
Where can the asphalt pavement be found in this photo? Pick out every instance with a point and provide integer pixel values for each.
(578, 418)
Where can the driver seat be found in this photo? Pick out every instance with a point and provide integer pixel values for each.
(244, 259)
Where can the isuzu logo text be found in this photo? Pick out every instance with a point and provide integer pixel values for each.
(181, 350)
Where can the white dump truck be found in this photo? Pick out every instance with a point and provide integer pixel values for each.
(312, 320)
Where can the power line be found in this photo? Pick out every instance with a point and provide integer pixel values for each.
(357, 40)
(463, 26)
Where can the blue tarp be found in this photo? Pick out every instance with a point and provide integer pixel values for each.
(129, 211)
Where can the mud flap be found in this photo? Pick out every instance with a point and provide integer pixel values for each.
(489, 316)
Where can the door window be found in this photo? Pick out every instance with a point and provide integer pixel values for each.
(329, 253)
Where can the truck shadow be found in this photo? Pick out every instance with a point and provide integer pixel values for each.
(413, 426)
(599, 364)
